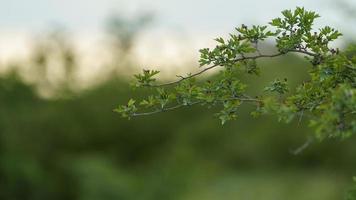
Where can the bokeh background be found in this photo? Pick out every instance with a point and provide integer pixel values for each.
(65, 65)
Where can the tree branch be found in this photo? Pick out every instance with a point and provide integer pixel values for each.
(244, 99)
(182, 78)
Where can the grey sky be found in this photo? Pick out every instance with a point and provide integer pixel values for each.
(192, 15)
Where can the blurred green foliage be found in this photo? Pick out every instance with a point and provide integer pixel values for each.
(77, 148)
(351, 195)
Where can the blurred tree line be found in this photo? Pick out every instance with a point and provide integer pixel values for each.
(72, 146)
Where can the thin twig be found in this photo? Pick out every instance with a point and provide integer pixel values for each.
(158, 111)
(182, 78)
(191, 104)
(306, 144)
(300, 117)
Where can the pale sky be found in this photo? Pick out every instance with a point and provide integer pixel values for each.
(190, 15)
(181, 26)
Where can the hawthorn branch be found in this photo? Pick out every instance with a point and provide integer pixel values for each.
(182, 78)
(242, 99)
(159, 111)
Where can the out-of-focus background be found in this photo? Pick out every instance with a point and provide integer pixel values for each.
(64, 65)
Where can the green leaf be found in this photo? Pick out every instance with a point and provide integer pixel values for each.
(281, 87)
